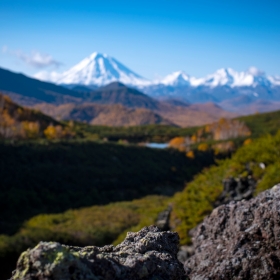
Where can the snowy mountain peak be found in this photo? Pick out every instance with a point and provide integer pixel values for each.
(100, 69)
(255, 71)
(229, 77)
(222, 77)
(178, 78)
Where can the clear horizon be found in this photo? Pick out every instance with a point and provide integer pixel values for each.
(152, 39)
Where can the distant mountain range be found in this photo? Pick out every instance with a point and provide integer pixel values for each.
(100, 69)
(179, 99)
(98, 106)
(252, 88)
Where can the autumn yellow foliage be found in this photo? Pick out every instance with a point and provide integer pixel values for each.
(247, 141)
(57, 132)
(190, 154)
(194, 138)
(31, 129)
(203, 147)
(177, 141)
(50, 132)
(222, 147)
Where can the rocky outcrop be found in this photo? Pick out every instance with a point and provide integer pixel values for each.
(240, 240)
(147, 254)
(236, 189)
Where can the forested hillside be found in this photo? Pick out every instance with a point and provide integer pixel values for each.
(18, 123)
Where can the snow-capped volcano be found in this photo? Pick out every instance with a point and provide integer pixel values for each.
(100, 69)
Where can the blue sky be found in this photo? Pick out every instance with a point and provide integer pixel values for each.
(153, 38)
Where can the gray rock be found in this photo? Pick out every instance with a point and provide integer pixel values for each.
(147, 254)
(240, 240)
(185, 252)
(236, 189)
(163, 219)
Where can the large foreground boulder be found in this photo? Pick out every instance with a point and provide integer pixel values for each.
(147, 254)
(240, 240)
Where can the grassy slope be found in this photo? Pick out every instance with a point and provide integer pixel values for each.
(196, 200)
(96, 225)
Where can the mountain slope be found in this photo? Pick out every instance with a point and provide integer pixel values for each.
(110, 115)
(28, 91)
(117, 93)
(17, 122)
(19, 113)
(193, 115)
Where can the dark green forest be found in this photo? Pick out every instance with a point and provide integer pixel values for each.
(132, 134)
(52, 176)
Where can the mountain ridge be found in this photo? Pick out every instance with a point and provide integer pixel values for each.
(225, 84)
(100, 69)
(27, 91)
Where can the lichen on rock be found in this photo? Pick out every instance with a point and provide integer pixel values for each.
(147, 254)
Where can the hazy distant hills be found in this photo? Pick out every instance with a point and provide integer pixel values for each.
(194, 114)
(97, 114)
(118, 93)
(137, 109)
(119, 115)
(29, 91)
(246, 105)
(234, 100)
